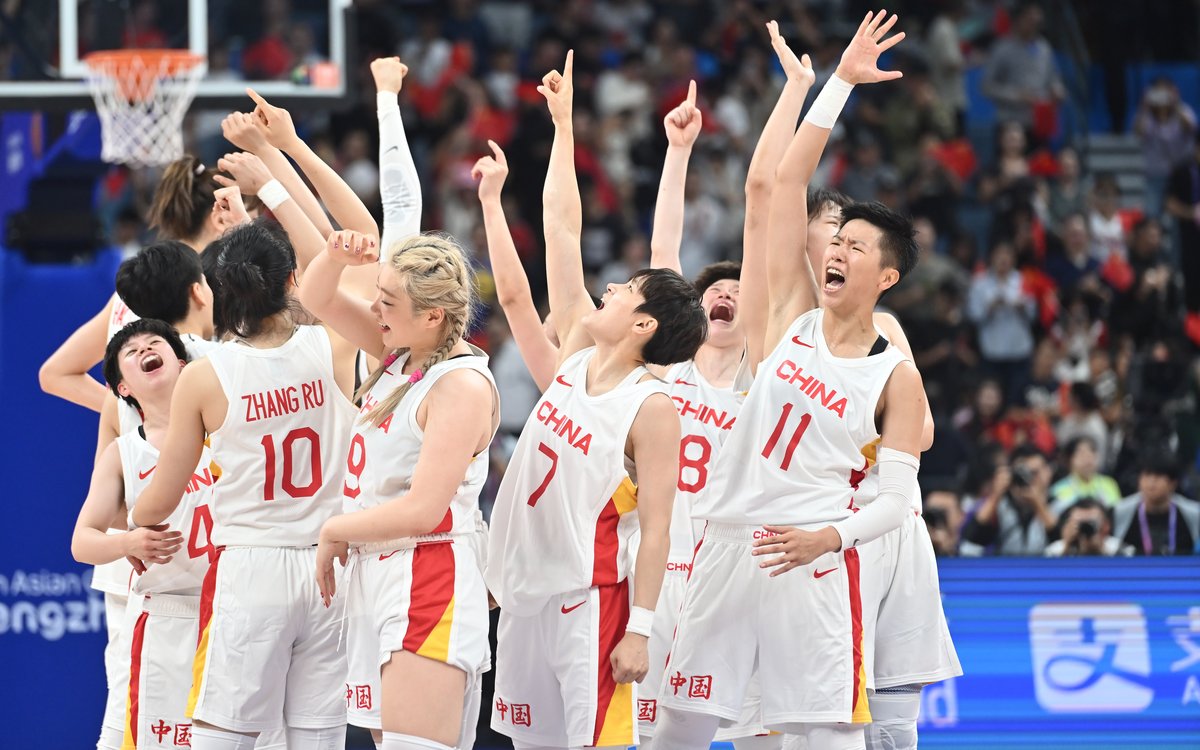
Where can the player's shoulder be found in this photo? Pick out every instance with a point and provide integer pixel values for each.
(466, 383)
(904, 378)
(657, 406)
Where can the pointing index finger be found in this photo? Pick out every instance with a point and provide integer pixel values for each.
(569, 66)
(498, 152)
(258, 98)
(691, 96)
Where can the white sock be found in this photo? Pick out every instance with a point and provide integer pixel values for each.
(398, 741)
(759, 742)
(835, 736)
(326, 738)
(684, 730)
(212, 738)
(894, 718)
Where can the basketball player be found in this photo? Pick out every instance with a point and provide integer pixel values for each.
(906, 641)
(142, 365)
(417, 461)
(276, 402)
(164, 281)
(182, 210)
(859, 385)
(557, 563)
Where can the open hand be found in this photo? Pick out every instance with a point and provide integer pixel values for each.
(351, 248)
(795, 547)
(559, 89)
(327, 552)
(389, 74)
(798, 69)
(859, 62)
(274, 122)
(491, 171)
(684, 122)
(152, 544)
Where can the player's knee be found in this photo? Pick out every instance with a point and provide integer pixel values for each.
(835, 736)
(327, 738)
(894, 711)
(684, 730)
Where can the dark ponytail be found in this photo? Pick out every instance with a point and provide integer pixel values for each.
(253, 265)
(183, 199)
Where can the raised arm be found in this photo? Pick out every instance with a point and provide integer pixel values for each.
(92, 544)
(563, 215)
(760, 180)
(240, 129)
(512, 285)
(683, 126)
(791, 285)
(347, 209)
(399, 184)
(65, 372)
(348, 315)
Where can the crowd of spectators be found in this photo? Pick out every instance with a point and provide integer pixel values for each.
(1055, 319)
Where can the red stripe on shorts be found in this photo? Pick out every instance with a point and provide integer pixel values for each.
(856, 624)
(135, 673)
(208, 590)
(614, 616)
(446, 525)
(431, 590)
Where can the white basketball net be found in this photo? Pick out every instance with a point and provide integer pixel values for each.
(141, 102)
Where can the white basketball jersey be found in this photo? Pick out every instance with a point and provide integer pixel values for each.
(282, 443)
(185, 573)
(119, 316)
(706, 414)
(796, 454)
(381, 460)
(868, 488)
(564, 511)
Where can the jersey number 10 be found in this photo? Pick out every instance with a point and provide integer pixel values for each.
(288, 479)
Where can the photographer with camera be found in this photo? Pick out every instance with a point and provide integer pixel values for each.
(1086, 530)
(1015, 517)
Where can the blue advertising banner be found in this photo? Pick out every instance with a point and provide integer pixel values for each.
(1070, 653)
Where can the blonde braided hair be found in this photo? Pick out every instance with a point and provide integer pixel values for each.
(434, 273)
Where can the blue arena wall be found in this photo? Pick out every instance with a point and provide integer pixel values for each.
(1058, 653)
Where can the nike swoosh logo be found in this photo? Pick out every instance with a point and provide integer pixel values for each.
(393, 148)
(559, 379)
(568, 610)
(143, 475)
(684, 382)
(386, 555)
(796, 340)
(822, 573)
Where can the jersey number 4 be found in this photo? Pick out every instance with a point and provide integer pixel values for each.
(288, 479)
(202, 522)
(793, 441)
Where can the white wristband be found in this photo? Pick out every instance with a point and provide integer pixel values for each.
(641, 621)
(828, 105)
(273, 194)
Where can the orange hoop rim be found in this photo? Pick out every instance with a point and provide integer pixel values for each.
(120, 62)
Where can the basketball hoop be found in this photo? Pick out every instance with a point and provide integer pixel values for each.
(141, 96)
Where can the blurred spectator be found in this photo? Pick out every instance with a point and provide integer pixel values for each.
(1153, 305)
(270, 56)
(1183, 202)
(1014, 518)
(1086, 531)
(1157, 520)
(1075, 267)
(1082, 457)
(358, 168)
(1166, 126)
(1022, 76)
(911, 112)
(1065, 194)
(635, 255)
(1104, 221)
(142, 30)
(946, 60)
(944, 518)
(942, 347)
(932, 189)
(1002, 309)
(703, 218)
(512, 377)
(868, 173)
(1011, 169)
